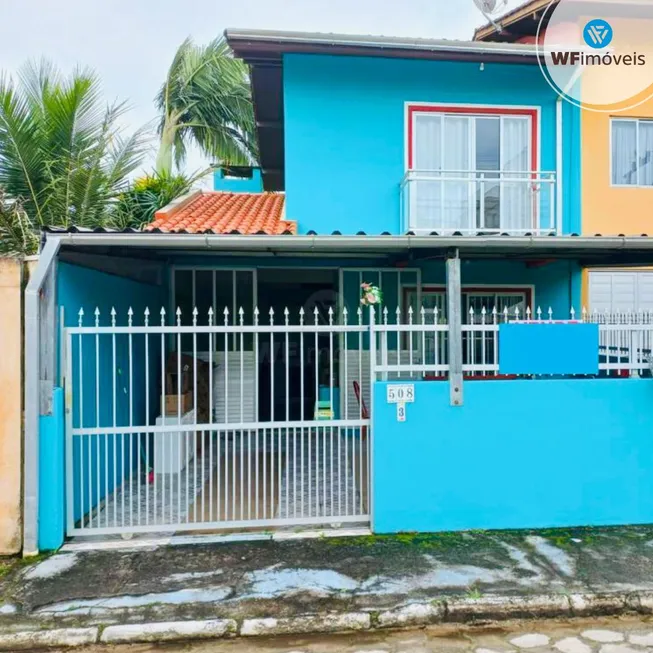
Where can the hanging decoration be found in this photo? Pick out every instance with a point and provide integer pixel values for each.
(371, 295)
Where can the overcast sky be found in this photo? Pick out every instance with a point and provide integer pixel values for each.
(130, 42)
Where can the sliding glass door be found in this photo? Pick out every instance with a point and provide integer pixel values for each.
(473, 172)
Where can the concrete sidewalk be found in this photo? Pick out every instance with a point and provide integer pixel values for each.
(328, 584)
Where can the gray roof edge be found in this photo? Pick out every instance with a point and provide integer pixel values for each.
(336, 242)
(362, 41)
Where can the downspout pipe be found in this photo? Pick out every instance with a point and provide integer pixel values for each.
(32, 395)
(559, 166)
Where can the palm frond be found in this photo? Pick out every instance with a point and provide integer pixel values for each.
(62, 152)
(17, 234)
(22, 166)
(136, 206)
(206, 99)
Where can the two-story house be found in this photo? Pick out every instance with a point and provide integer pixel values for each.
(616, 145)
(437, 138)
(219, 366)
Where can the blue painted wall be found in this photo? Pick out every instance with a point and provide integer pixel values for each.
(80, 287)
(557, 284)
(499, 461)
(543, 349)
(52, 513)
(233, 185)
(345, 132)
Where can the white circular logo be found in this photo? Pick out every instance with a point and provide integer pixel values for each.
(326, 303)
(491, 7)
(598, 55)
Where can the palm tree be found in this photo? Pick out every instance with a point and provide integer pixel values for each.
(206, 100)
(63, 159)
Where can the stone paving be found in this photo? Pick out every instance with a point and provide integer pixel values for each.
(615, 635)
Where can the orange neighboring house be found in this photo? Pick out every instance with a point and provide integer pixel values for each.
(617, 164)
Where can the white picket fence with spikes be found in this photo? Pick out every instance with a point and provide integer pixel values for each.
(253, 420)
(265, 422)
(625, 340)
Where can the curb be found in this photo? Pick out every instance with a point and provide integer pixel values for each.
(330, 623)
(168, 631)
(444, 612)
(59, 638)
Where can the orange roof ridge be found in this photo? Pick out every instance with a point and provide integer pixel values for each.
(223, 212)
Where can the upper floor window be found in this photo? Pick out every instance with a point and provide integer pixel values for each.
(474, 169)
(632, 152)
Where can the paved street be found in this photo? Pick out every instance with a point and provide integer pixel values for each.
(618, 635)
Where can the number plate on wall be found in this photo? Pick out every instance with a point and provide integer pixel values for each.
(403, 393)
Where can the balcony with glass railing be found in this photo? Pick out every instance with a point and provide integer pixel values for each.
(479, 202)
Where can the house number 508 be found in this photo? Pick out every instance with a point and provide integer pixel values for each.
(401, 393)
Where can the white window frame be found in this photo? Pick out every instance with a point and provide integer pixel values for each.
(484, 111)
(637, 122)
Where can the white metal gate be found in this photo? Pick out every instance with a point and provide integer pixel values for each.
(217, 424)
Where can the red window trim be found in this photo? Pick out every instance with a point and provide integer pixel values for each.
(527, 291)
(481, 110)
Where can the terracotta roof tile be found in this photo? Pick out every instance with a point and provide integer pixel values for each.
(225, 213)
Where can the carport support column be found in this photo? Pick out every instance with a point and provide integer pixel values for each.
(455, 314)
(34, 398)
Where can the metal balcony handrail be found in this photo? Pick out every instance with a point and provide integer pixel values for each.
(540, 186)
(541, 176)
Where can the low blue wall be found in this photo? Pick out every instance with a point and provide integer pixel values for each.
(52, 476)
(518, 454)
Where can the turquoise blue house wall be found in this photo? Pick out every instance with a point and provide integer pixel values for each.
(79, 287)
(345, 131)
(517, 454)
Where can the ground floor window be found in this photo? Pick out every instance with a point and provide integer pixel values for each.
(513, 300)
(478, 347)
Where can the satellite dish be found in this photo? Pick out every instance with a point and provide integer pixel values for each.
(490, 7)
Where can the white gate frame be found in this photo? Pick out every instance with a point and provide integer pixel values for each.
(96, 491)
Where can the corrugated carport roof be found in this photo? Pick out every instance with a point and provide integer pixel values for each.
(617, 250)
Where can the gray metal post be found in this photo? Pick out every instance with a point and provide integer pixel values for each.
(33, 394)
(455, 314)
(370, 430)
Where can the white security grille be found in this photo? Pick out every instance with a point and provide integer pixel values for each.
(216, 426)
